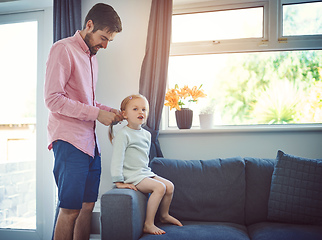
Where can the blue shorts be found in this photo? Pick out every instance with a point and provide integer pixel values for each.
(77, 175)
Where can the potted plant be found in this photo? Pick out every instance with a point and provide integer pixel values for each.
(177, 98)
(206, 115)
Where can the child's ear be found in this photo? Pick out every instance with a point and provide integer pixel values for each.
(123, 114)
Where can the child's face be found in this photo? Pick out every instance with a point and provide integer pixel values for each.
(136, 112)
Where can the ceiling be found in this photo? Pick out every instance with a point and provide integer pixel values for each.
(9, 6)
(181, 2)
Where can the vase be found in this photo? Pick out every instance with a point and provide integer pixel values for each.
(184, 118)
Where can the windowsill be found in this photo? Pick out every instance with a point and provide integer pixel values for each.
(95, 236)
(245, 128)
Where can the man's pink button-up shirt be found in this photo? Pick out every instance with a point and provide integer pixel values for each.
(71, 77)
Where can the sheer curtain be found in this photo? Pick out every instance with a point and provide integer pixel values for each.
(67, 18)
(154, 69)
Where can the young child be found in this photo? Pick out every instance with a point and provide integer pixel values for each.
(129, 166)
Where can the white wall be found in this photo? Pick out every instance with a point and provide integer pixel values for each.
(119, 66)
(222, 144)
(119, 76)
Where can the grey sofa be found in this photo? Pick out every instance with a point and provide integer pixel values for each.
(232, 198)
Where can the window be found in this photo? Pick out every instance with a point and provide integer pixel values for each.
(230, 24)
(26, 188)
(302, 19)
(18, 127)
(259, 62)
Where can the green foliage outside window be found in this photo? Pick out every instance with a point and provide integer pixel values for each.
(273, 88)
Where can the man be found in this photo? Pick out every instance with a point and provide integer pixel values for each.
(71, 77)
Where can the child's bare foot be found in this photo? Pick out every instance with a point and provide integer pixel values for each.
(152, 229)
(169, 219)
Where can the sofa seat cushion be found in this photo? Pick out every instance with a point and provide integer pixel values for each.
(200, 230)
(283, 231)
(205, 190)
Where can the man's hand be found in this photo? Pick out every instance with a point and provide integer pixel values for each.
(125, 185)
(112, 117)
(106, 117)
(118, 115)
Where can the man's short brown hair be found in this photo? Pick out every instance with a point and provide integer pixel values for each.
(104, 17)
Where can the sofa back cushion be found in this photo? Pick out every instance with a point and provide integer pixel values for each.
(258, 184)
(296, 190)
(205, 190)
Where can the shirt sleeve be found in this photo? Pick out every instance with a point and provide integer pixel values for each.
(119, 147)
(58, 72)
(102, 106)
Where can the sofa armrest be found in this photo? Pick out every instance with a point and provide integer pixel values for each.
(122, 214)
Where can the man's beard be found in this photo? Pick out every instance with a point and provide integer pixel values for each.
(92, 49)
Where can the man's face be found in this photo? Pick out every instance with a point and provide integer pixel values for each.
(98, 39)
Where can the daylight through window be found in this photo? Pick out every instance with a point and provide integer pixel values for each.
(18, 125)
(248, 81)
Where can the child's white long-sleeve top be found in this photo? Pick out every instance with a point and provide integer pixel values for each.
(130, 157)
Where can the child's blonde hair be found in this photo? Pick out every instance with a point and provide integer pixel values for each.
(122, 108)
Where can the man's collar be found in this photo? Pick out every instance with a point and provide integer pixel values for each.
(81, 42)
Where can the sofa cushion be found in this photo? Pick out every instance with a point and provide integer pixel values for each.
(258, 184)
(200, 230)
(283, 231)
(205, 190)
(296, 190)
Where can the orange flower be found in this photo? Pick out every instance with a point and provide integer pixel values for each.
(175, 96)
(184, 92)
(172, 99)
(196, 93)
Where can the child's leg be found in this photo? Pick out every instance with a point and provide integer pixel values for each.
(166, 201)
(157, 190)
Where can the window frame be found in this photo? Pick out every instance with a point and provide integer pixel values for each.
(272, 40)
(45, 186)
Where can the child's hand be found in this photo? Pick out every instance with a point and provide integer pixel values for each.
(125, 185)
